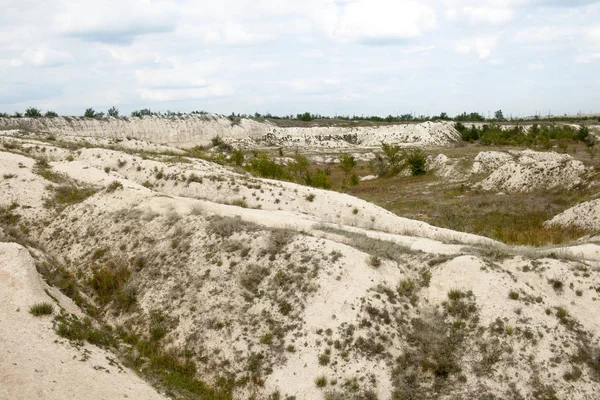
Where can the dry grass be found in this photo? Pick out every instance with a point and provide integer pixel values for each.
(512, 219)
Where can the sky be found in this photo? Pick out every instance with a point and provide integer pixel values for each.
(345, 57)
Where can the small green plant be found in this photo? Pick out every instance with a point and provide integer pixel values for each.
(374, 261)
(114, 186)
(455, 294)
(513, 295)
(239, 203)
(321, 381)
(406, 287)
(310, 197)
(557, 285)
(39, 309)
(267, 338)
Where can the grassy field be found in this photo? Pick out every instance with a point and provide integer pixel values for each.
(510, 218)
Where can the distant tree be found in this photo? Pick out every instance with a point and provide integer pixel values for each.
(33, 112)
(444, 116)
(498, 115)
(113, 112)
(305, 116)
(141, 113)
(89, 113)
(50, 114)
(17, 115)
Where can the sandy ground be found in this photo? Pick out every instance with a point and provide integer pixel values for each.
(33, 363)
(323, 273)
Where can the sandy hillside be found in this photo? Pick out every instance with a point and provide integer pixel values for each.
(585, 215)
(211, 283)
(33, 363)
(194, 130)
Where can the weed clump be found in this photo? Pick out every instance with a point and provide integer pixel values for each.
(39, 309)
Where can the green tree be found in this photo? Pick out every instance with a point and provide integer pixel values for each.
(498, 115)
(89, 113)
(33, 112)
(113, 112)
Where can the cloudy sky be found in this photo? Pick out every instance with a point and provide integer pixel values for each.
(288, 56)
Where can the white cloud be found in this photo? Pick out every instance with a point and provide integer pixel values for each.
(536, 66)
(179, 76)
(482, 45)
(41, 57)
(164, 95)
(488, 15)
(229, 34)
(380, 21)
(114, 21)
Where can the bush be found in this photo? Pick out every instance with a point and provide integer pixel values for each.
(110, 286)
(90, 113)
(65, 195)
(318, 180)
(32, 112)
(50, 114)
(263, 166)
(41, 309)
(321, 381)
(219, 144)
(141, 113)
(417, 162)
(115, 185)
(237, 157)
(113, 112)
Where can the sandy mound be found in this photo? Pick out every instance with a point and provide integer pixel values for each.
(33, 363)
(527, 170)
(585, 215)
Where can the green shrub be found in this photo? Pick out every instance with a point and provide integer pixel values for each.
(237, 157)
(50, 114)
(417, 162)
(32, 112)
(141, 113)
(263, 166)
(310, 197)
(321, 381)
(65, 195)
(113, 112)
(90, 113)
(513, 295)
(44, 169)
(41, 309)
(109, 284)
(113, 186)
(406, 287)
(318, 180)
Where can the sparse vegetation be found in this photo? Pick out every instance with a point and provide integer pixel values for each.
(39, 309)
